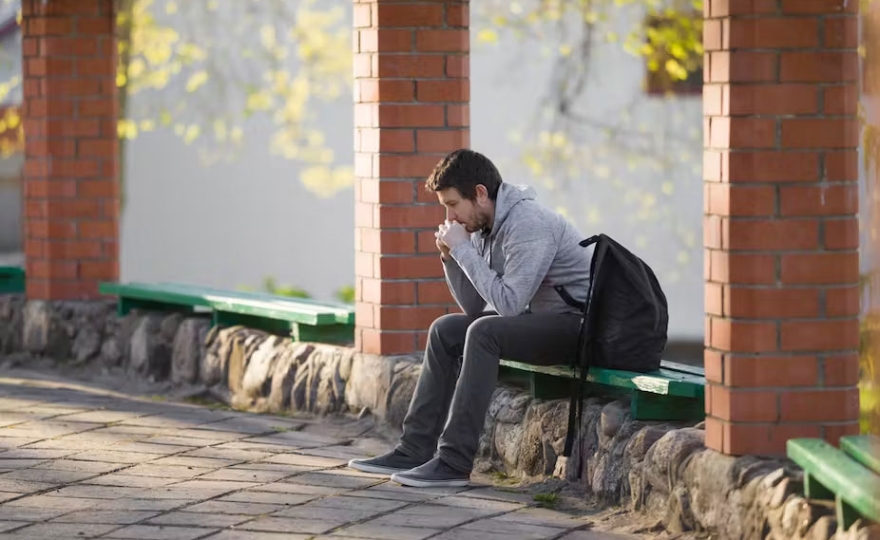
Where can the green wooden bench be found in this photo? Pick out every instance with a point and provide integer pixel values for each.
(849, 476)
(302, 319)
(674, 392)
(12, 280)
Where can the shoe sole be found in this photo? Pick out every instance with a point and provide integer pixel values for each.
(412, 482)
(373, 469)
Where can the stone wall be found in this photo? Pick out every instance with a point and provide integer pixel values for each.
(660, 468)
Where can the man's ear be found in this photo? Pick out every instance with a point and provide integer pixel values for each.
(482, 193)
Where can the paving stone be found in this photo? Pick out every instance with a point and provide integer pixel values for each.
(11, 485)
(333, 479)
(11, 443)
(254, 535)
(134, 432)
(95, 492)
(498, 495)
(283, 487)
(116, 456)
(188, 461)
(197, 519)
(510, 528)
(345, 504)
(258, 447)
(126, 480)
(344, 453)
(244, 475)
(595, 535)
(309, 511)
(96, 467)
(66, 530)
(489, 505)
(252, 424)
(160, 532)
(305, 461)
(393, 492)
(165, 471)
(227, 453)
(206, 434)
(50, 476)
(6, 526)
(366, 530)
(17, 417)
(101, 417)
(468, 534)
(50, 502)
(431, 516)
(241, 508)
(290, 525)
(119, 517)
(288, 470)
(269, 498)
(544, 518)
(148, 448)
(48, 430)
(182, 441)
(17, 513)
(157, 505)
(18, 463)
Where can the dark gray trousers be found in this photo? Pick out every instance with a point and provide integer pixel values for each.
(460, 371)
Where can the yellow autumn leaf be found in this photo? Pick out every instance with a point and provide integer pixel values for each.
(196, 80)
(487, 35)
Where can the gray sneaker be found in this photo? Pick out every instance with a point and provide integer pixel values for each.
(390, 463)
(434, 473)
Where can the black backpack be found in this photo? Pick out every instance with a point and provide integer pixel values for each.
(625, 319)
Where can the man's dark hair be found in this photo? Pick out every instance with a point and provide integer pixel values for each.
(463, 170)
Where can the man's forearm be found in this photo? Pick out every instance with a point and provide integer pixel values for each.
(463, 291)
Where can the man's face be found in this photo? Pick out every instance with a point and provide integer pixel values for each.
(473, 215)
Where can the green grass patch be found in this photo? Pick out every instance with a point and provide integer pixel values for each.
(546, 500)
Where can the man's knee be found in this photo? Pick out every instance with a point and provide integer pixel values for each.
(483, 328)
(449, 323)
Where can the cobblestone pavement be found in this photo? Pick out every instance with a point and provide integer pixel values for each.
(80, 462)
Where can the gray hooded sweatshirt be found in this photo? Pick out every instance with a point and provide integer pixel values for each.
(514, 268)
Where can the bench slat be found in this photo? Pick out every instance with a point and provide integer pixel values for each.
(684, 368)
(12, 279)
(831, 472)
(662, 382)
(343, 314)
(242, 303)
(863, 448)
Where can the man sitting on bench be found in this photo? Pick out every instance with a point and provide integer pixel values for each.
(503, 255)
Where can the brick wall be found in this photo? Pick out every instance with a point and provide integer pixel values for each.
(71, 204)
(411, 108)
(781, 231)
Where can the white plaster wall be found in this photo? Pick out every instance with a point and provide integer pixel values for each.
(232, 225)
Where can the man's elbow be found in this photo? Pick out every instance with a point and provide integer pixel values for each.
(511, 309)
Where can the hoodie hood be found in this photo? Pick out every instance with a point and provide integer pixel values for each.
(510, 195)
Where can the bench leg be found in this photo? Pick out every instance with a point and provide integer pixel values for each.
(272, 326)
(846, 514)
(338, 334)
(127, 305)
(647, 406)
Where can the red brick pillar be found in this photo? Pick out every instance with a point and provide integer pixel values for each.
(781, 231)
(71, 204)
(411, 108)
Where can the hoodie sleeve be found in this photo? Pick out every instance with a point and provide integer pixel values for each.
(529, 248)
(466, 296)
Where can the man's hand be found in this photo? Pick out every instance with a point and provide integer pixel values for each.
(452, 234)
(444, 249)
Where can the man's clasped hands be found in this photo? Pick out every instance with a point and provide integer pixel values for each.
(450, 234)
